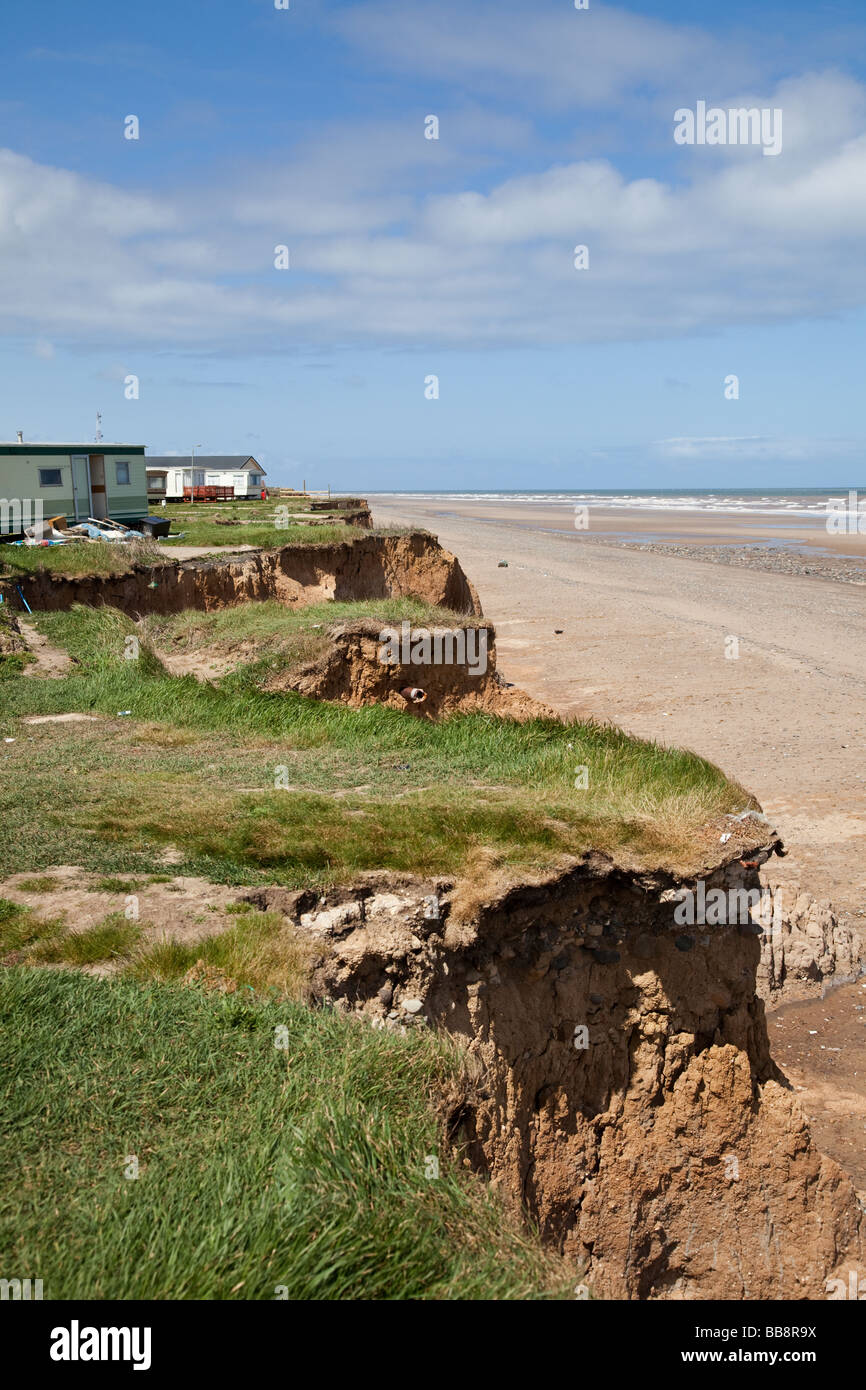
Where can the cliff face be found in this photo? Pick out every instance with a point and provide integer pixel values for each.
(625, 1091)
(806, 947)
(413, 566)
(353, 673)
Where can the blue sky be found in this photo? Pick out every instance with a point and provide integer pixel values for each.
(453, 257)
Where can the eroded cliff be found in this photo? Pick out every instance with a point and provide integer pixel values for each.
(623, 1086)
(368, 567)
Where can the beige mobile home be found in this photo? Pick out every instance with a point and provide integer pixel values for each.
(76, 480)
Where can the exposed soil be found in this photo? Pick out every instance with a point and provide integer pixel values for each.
(369, 567)
(624, 1086)
(352, 672)
(12, 641)
(48, 661)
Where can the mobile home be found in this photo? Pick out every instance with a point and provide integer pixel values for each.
(74, 480)
(212, 476)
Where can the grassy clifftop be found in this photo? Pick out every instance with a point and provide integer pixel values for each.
(251, 784)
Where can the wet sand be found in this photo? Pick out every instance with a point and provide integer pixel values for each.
(644, 525)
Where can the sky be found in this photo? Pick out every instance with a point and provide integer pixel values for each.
(432, 329)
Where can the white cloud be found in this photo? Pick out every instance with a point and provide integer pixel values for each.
(548, 53)
(758, 448)
(380, 254)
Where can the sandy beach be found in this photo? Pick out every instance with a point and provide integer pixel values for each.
(598, 626)
(643, 641)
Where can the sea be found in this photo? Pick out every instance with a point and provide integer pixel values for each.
(776, 502)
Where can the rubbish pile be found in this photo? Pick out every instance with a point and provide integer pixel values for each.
(55, 531)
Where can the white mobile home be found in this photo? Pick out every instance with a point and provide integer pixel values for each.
(207, 476)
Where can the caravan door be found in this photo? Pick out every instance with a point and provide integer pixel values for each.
(98, 493)
(82, 504)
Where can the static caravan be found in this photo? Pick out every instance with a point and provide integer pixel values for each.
(75, 480)
(207, 477)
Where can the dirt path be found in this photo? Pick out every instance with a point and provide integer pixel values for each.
(49, 661)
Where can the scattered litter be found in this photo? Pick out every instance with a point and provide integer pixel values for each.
(744, 815)
(23, 599)
(558, 631)
(723, 839)
(413, 694)
(122, 712)
(8, 740)
(503, 565)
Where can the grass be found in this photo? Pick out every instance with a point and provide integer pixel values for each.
(109, 939)
(298, 1168)
(49, 941)
(269, 637)
(113, 558)
(116, 885)
(41, 884)
(263, 952)
(271, 620)
(253, 509)
(97, 557)
(367, 788)
(204, 531)
(21, 928)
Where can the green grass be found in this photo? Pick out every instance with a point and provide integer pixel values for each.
(268, 637)
(21, 928)
(271, 620)
(202, 531)
(117, 885)
(49, 941)
(112, 558)
(259, 1167)
(263, 952)
(97, 557)
(42, 884)
(109, 939)
(197, 767)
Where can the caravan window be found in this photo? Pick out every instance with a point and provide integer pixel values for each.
(122, 474)
(50, 477)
